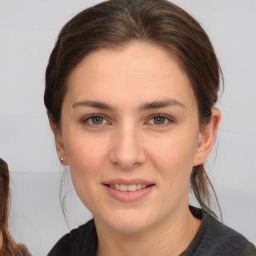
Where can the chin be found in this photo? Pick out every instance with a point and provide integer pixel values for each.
(129, 222)
(129, 227)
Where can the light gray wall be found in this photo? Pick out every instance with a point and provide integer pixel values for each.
(28, 30)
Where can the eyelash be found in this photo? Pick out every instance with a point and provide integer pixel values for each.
(87, 118)
(168, 118)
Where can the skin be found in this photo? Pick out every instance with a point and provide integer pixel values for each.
(128, 142)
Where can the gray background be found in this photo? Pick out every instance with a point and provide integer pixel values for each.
(28, 30)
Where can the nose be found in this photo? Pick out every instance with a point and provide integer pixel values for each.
(126, 149)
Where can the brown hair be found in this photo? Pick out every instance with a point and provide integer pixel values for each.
(116, 23)
(9, 247)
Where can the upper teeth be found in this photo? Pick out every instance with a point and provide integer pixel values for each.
(124, 187)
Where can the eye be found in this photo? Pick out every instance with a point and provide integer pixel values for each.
(97, 119)
(94, 120)
(160, 119)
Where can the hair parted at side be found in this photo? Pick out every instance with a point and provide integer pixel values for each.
(116, 23)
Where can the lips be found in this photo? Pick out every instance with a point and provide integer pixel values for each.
(128, 190)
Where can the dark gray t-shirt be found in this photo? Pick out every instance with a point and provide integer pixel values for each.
(212, 239)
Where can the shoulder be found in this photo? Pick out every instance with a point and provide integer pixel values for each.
(215, 238)
(76, 240)
(226, 241)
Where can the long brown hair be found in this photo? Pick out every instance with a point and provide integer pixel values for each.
(116, 23)
(9, 247)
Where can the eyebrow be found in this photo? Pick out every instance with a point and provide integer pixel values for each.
(93, 104)
(160, 104)
(143, 107)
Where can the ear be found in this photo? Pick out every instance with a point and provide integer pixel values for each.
(206, 138)
(58, 140)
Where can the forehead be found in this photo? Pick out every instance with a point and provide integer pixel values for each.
(138, 71)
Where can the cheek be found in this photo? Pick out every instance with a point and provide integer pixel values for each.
(173, 160)
(85, 156)
(83, 149)
(174, 154)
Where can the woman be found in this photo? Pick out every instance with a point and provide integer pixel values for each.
(130, 93)
(8, 247)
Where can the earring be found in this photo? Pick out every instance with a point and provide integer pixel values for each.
(62, 159)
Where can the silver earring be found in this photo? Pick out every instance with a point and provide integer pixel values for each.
(62, 159)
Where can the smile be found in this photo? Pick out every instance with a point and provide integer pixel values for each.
(128, 191)
(130, 188)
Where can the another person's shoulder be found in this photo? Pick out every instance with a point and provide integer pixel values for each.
(214, 238)
(77, 240)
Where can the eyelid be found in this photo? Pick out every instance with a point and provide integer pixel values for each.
(169, 118)
(86, 118)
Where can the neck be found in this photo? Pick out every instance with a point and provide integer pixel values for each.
(171, 237)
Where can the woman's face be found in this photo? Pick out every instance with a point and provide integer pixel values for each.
(130, 134)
